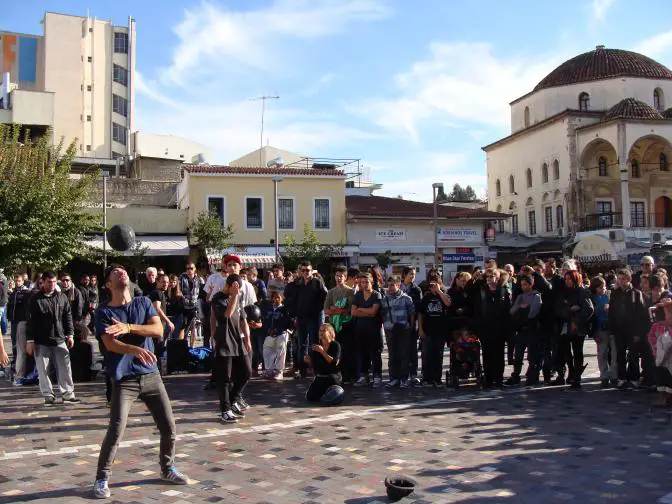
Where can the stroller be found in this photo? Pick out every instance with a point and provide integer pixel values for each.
(465, 359)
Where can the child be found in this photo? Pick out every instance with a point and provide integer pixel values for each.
(276, 323)
(606, 342)
(324, 359)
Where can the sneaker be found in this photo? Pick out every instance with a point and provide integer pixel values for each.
(49, 401)
(416, 382)
(175, 477)
(18, 382)
(560, 380)
(278, 376)
(403, 384)
(101, 490)
(242, 403)
(228, 417)
(360, 382)
(392, 383)
(512, 380)
(72, 400)
(624, 385)
(377, 382)
(237, 410)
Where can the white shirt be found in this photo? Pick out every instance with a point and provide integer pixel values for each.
(214, 284)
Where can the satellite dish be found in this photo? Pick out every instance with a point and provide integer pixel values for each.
(275, 163)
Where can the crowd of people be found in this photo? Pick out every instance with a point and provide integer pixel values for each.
(292, 325)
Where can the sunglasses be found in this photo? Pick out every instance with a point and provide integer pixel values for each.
(189, 269)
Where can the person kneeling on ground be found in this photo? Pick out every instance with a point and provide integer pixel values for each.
(324, 360)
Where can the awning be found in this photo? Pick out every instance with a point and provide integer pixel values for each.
(258, 261)
(396, 249)
(157, 245)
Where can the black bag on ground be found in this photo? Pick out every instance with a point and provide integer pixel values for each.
(178, 355)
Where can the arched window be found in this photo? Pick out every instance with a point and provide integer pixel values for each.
(544, 173)
(498, 188)
(556, 170)
(527, 116)
(528, 177)
(602, 167)
(636, 173)
(584, 102)
(663, 162)
(559, 217)
(658, 101)
(512, 185)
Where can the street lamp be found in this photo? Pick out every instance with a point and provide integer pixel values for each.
(436, 186)
(105, 174)
(276, 180)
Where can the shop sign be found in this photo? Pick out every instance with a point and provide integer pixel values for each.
(460, 234)
(391, 234)
(463, 250)
(594, 249)
(459, 258)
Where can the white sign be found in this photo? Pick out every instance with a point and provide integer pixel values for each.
(594, 248)
(391, 234)
(460, 234)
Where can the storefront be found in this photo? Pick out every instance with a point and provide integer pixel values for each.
(462, 248)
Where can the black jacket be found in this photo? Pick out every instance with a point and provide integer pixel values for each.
(580, 297)
(628, 313)
(49, 319)
(310, 297)
(77, 306)
(3, 294)
(18, 303)
(491, 311)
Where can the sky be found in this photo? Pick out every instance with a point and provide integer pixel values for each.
(413, 89)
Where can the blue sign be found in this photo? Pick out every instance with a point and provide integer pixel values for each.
(634, 259)
(459, 258)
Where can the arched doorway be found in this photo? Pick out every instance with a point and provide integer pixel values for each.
(663, 207)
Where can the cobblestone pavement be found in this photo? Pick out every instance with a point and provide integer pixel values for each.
(541, 445)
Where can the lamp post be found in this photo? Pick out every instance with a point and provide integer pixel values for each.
(436, 186)
(276, 180)
(105, 174)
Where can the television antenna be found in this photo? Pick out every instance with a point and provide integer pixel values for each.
(263, 110)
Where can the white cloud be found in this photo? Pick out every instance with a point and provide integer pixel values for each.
(656, 45)
(600, 8)
(213, 37)
(149, 89)
(459, 82)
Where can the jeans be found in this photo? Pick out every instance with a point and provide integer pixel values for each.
(628, 353)
(307, 331)
(177, 321)
(574, 358)
(606, 355)
(258, 338)
(346, 338)
(150, 390)
(20, 355)
(397, 351)
(3, 322)
(320, 385)
(492, 347)
(232, 374)
(432, 350)
(60, 356)
(527, 338)
(369, 350)
(205, 308)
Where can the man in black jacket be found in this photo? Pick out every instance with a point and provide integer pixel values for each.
(50, 333)
(16, 313)
(310, 295)
(75, 297)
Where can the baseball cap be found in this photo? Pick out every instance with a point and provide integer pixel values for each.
(232, 258)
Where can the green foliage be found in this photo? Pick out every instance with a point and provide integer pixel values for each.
(207, 229)
(385, 260)
(309, 249)
(43, 217)
(458, 194)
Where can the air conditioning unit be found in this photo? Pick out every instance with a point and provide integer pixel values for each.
(617, 235)
(657, 238)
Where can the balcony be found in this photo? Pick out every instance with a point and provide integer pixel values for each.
(28, 108)
(638, 220)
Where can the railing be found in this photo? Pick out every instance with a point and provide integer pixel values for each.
(592, 222)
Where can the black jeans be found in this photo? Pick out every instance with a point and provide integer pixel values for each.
(574, 358)
(258, 336)
(205, 307)
(397, 351)
(492, 347)
(150, 390)
(320, 385)
(628, 353)
(369, 350)
(432, 350)
(346, 338)
(232, 374)
(307, 335)
(527, 338)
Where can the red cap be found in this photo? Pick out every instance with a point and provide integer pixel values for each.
(232, 258)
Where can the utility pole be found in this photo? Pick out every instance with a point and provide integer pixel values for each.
(263, 110)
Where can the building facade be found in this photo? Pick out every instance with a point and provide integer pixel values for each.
(77, 78)
(589, 151)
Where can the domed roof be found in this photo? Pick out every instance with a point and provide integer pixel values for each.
(632, 109)
(604, 63)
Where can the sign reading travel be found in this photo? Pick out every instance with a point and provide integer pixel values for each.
(391, 234)
(460, 234)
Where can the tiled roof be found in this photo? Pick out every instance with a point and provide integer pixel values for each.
(380, 206)
(632, 109)
(204, 168)
(604, 63)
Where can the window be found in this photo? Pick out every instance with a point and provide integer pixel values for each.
(121, 42)
(322, 216)
(514, 224)
(559, 217)
(528, 176)
(544, 173)
(556, 170)
(636, 173)
(527, 116)
(637, 218)
(602, 167)
(216, 205)
(89, 88)
(498, 188)
(89, 59)
(88, 118)
(118, 133)
(548, 218)
(88, 148)
(120, 75)
(500, 226)
(286, 213)
(663, 162)
(119, 105)
(512, 185)
(604, 215)
(116, 155)
(584, 102)
(254, 209)
(532, 224)
(658, 102)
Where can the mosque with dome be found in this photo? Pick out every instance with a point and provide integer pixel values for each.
(590, 151)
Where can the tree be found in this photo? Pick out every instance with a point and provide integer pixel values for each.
(385, 260)
(309, 249)
(459, 194)
(43, 216)
(211, 236)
